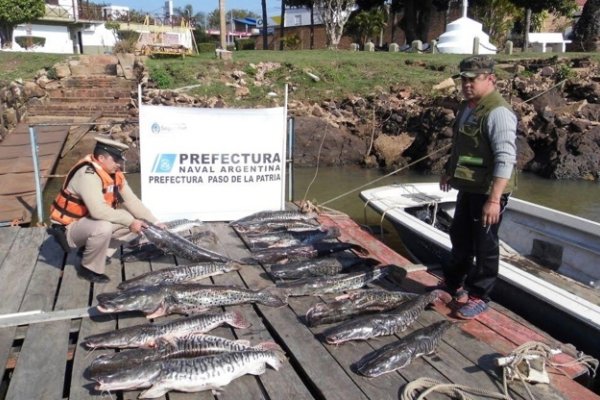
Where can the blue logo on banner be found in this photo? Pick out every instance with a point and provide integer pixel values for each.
(163, 163)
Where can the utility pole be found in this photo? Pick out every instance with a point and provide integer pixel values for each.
(223, 26)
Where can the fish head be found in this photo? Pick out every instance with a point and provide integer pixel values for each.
(140, 376)
(346, 332)
(146, 299)
(379, 363)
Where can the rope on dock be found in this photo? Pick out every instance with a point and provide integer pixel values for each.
(428, 386)
(515, 366)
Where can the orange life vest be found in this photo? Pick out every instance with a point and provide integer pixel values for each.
(68, 208)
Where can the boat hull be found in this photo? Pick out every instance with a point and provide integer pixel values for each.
(557, 309)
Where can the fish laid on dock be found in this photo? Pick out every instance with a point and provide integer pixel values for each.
(332, 284)
(190, 374)
(305, 252)
(147, 251)
(400, 354)
(180, 274)
(147, 335)
(175, 244)
(381, 324)
(191, 345)
(290, 238)
(275, 226)
(274, 216)
(156, 301)
(356, 303)
(325, 266)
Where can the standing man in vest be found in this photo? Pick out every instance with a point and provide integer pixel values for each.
(96, 209)
(482, 169)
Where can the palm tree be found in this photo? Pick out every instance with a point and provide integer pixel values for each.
(187, 14)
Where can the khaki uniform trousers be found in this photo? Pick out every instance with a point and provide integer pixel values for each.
(100, 238)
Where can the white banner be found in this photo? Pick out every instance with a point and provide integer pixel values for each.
(212, 164)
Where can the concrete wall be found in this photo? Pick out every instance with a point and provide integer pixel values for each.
(58, 38)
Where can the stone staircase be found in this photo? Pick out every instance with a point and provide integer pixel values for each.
(90, 87)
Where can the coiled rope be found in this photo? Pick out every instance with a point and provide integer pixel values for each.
(429, 386)
(512, 370)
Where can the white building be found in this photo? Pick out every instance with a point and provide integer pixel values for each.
(70, 30)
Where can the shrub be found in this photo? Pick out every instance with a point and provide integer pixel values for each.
(161, 77)
(206, 47)
(245, 44)
(292, 42)
(29, 42)
(128, 35)
(125, 46)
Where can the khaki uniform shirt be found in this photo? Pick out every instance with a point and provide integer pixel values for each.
(87, 185)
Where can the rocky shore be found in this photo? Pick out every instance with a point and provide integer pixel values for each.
(558, 109)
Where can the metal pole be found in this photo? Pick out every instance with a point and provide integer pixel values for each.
(36, 171)
(290, 158)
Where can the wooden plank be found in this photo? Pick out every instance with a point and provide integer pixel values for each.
(7, 237)
(77, 132)
(128, 319)
(40, 369)
(81, 387)
(45, 278)
(311, 360)
(278, 384)
(20, 262)
(74, 292)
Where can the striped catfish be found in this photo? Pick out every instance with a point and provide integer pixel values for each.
(147, 335)
(356, 303)
(190, 374)
(304, 252)
(275, 226)
(400, 354)
(180, 274)
(191, 345)
(323, 266)
(274, 216)
(175, 244)
(381, 324)
(156, 301)
(290, 238)
(332, 284)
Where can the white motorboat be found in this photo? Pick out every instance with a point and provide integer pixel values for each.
(549, 259)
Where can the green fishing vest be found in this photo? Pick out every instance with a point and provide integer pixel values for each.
(471, 163)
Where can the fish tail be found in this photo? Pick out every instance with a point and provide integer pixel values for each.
(268, 345)
(237, 320)
(277, 360)
(273, 297)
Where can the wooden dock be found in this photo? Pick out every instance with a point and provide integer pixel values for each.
(41, 356)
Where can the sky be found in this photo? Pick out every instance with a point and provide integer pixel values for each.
(156, 6)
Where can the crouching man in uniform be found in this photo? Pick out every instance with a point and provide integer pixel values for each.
(96, 209)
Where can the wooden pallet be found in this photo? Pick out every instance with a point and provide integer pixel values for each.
(45, 360)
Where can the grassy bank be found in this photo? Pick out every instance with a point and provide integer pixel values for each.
(339, 74)
(14, 66)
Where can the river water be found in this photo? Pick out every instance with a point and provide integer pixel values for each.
(323, 185)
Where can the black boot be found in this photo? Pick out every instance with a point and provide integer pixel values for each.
(91, 276)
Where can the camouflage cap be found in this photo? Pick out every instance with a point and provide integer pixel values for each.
(470, 67)
(114, 148)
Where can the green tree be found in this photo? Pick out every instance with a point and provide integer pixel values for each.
(213, 17)
(497, 17)
(334, 14)
(188, 15)
(587, 29)
(366, 24)
(15, 12)
(310, 4)
(565, 7)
